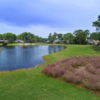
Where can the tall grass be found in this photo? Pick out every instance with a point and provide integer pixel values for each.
(77, 70)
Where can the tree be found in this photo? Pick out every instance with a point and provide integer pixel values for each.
(80, 36)
(60, 36)
(44, 39)
(97, 23)
(87, 32)
(54, 36)
(1, 37)
(68, 36)
(9, 36)
(50, 38)
(94, 36)
(40, 39)
(99, 37)
(27, 36)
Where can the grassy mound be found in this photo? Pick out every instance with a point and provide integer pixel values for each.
(77, 70)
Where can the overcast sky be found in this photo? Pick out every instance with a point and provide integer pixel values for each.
(42, 17)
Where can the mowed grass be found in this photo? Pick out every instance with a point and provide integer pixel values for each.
(73, 50)
(33, 85)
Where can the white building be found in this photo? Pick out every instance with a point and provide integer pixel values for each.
(19, 41)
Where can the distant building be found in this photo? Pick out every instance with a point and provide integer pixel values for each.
(19, 41)
(68, 41)
(27, 41)
(48, 41)
(56, 41)
(1, 41)
(4, 41)
(96, 41)
(91, 41)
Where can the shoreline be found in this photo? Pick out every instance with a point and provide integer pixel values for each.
(20, 70)
(44, 60)
(24, 69)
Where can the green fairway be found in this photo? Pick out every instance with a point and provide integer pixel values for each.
(73, 50)
(33, 85)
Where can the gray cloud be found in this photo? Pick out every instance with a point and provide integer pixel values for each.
(54, 14)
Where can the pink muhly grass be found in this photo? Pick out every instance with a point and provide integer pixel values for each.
(77, 70)
(57, 71)
(68, 77)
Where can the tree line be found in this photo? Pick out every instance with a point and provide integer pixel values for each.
(77, 37)
(25, 36)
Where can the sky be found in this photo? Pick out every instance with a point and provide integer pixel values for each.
(42, 17)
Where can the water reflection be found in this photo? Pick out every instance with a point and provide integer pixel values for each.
(19, 57)
(52, 49)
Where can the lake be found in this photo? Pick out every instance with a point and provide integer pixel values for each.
(19, 57)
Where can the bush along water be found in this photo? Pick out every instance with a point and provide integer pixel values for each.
(4, 44)
(77, 70)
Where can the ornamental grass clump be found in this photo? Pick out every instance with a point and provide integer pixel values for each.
(80, 70)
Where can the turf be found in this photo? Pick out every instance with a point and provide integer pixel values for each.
(33, 85)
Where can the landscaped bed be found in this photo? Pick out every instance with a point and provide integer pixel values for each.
(84, 71)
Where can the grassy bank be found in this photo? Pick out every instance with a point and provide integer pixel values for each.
(25, 44)
(33, 85)
(18, 44)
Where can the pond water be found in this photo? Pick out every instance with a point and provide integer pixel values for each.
(19, 57)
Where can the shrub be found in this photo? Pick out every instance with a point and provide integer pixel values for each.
(4, 44)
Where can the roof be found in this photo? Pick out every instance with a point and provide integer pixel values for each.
(19, 40)
(96, 41)
(90, 40)
(1, 41)
(57, 40)
(47, 41)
